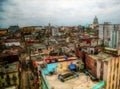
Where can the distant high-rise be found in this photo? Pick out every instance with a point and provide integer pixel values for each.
(95, 21)
(13, 28)
(110, 33)
(49, 28)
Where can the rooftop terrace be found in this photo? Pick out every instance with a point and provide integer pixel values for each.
(102, 56)
(81, 82)
(9, 68)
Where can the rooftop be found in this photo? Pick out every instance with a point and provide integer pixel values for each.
(12, 87)
(9, 68)
(102, 56)
(80, 82)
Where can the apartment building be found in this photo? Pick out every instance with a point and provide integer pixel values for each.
(110, 34)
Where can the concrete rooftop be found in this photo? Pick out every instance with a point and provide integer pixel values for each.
(80, 82)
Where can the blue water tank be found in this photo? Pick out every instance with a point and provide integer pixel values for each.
(72, 67)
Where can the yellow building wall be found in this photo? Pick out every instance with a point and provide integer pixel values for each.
(3, 32)
(27, 29)
(113, 74)
(63, 66)
(3, 80)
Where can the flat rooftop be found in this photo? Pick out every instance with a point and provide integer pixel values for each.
(12, 87)
(9, 68)
(81, 82)
(102, 56)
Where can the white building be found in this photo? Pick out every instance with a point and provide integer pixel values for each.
(55, 31)
(110, 33)
(12, 44)
(101, 31)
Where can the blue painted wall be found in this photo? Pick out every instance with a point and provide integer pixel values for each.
(45, 84)
(50, 68)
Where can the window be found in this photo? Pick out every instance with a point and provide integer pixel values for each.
(8, 82)
(3, 84)
(14, 78)
(117, 65)
(2, 76)
(95, 64)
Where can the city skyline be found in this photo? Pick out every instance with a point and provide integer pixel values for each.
(57, 12)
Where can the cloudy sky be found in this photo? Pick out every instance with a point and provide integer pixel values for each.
(57, 12)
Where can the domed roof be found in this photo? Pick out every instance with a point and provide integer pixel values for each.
(95, 21)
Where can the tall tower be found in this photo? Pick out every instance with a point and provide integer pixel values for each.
(95, 21)
(49, 29)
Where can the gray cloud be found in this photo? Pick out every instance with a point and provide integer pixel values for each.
(1, 5)
(58, 12)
